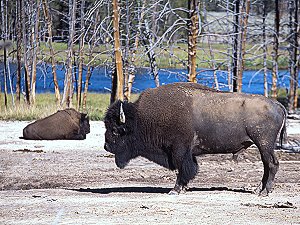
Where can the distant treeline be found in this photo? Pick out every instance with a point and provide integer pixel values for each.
(227, 35)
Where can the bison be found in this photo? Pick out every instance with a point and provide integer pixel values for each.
(172, 124)
(64, 124)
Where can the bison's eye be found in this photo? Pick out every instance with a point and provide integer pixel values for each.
(115, 131)
(119, 131)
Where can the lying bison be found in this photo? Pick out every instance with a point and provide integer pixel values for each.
(64, 124)
(172, 124)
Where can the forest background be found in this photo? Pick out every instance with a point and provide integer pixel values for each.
(227, 35)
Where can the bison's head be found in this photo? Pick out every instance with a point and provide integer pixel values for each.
(84, 124)
(119, 123)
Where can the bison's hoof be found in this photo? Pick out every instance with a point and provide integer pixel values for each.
(173, 192)
(264, 193)
(258, 189)
(178, 189)
(261, 192)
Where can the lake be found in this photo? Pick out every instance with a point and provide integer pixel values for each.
(100, 81)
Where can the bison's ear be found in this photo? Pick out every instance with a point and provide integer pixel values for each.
(84, 116)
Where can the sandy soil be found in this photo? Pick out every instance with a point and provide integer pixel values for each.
(77, 182)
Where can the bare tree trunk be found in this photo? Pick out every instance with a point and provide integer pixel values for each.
(150, 52)
(91, 49)
(25, 57)
(235, 45)
(2, 21)
(275, 51)
(296, 52)
(19, 49)
(81, 53)
(86, 86)
(154, 20)
(211, 53)
(265, 48)
(131, 74)
(6, 46)
(126, 52)
(5, 74)
(2, 31)
(35, 40)
(114, 86)
(118, 54)
(293, 46)
(68, 85)
(10, 84)
(244, 24)
(193, 20)
(229, 49)
(52, 54)
(4, 36)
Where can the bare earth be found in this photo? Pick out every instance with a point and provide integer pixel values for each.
(77, 182)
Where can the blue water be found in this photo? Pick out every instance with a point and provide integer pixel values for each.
(100, 81)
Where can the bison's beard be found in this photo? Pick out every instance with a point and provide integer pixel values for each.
(121, 162)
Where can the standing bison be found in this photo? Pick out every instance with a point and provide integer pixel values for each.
(172, 124)
(64, 124)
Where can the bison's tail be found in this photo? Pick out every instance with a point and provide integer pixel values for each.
(283, 134)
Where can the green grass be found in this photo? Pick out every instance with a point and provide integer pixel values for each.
(97, 105)
(45, 105)
(281, 93)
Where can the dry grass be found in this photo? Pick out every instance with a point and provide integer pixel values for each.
(45, 105)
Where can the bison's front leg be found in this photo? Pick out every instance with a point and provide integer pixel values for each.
(178, 188)
(187, 170)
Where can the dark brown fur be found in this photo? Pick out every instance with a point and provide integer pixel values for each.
(173, 124)
(64, 124)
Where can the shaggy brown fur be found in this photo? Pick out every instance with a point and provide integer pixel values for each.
(173, 124)
(64, 124)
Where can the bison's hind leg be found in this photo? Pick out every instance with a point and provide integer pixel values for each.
(271, 166)
(187, 169)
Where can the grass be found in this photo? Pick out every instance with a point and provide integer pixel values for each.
(97, 105)
(45, 105)
(281, 92)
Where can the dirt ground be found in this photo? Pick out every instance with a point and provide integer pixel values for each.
(77, 182)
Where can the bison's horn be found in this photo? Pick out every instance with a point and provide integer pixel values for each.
(122, 114)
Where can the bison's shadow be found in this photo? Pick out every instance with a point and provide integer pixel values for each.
(159, 190)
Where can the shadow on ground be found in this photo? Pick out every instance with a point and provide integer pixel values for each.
(158, 190)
